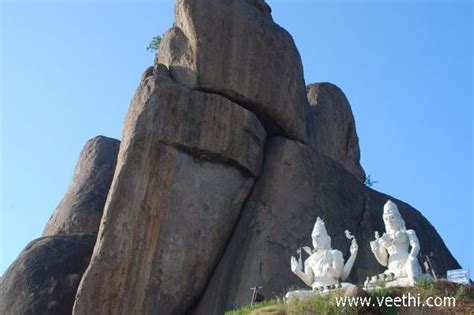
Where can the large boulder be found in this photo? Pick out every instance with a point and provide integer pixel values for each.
(186, 164)
(297, 185)
(233, 48)
(81, 209)
(333, 126)
(45, 276)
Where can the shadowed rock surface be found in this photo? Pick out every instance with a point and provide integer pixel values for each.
(297, 185)
(44, 277)
(333, 126)
(81, 209)
(234, 48)
(185, 167)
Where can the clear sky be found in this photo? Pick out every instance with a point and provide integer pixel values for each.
(69, 70)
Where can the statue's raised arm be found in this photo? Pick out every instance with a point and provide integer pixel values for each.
(350, 261)
(306, 275)
(378, 250)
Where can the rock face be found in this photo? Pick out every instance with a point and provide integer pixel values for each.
(81, 209)
(333, 126)
(221, 173)
(239, 52)
(186, 164)
(44, 277)
(297, 185)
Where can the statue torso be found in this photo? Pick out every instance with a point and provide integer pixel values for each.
(319, 262)
(396, 242)
(397, 245)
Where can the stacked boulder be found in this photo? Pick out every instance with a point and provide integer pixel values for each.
(187, 162)
(226, 160)
(333, 127)
(45, 276)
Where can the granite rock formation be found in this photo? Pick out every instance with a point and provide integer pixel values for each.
(44, 277)
(187, 162)
(81, 209)
(224, 165)
(239, 52)
(334, 131)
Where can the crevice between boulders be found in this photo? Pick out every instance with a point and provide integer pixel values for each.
(366, 208)
(357, 232)
(190, 310)
(240, 217)
(271, 127)
(208, 156)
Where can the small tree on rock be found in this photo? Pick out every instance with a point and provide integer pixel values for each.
(154, 45)
(369, 182)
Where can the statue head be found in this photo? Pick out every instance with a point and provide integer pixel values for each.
(392, 217)
(321, 239)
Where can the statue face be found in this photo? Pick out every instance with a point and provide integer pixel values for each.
(320, 240)
(392, 221)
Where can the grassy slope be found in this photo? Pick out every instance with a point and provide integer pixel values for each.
(326, 304)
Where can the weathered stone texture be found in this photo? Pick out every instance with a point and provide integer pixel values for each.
(81, 209)
(44, 277)
(333, 126)
(234, 48)
(185, 167)
(226, 160)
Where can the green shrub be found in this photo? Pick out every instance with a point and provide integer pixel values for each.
(154, 45)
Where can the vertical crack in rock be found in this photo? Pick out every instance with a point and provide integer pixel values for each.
(227, 242)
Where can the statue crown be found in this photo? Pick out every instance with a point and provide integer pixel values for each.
(319, 226)
(391, 207)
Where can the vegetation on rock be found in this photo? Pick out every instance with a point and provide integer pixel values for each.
(369, 182)
(154, 45)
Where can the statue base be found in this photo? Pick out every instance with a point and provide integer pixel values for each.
(299, 295)
(384, 281)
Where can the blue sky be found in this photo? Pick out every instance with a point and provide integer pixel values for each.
(68, 72)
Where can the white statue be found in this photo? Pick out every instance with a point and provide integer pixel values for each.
(324, 268)
(397, 249)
